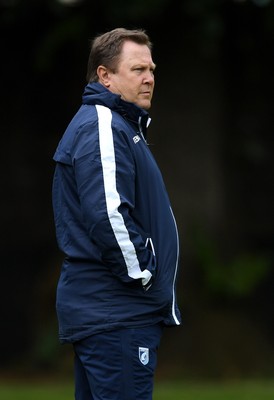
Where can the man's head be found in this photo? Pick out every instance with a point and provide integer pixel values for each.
(121, 61)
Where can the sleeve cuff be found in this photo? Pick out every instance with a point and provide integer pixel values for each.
(146, 279)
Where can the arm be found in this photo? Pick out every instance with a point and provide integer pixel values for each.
(105, 179)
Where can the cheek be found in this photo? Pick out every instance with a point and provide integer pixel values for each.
(130, 89)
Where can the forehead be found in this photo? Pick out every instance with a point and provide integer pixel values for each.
(135, 53)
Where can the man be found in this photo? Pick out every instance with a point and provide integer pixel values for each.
(115, 226)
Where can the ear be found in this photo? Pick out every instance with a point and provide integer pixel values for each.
(103, 75)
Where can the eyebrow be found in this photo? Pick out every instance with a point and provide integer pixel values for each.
(141, 64)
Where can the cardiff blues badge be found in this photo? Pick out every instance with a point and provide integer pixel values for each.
(144, 355)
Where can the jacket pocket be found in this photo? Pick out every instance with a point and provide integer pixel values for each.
(149, 245)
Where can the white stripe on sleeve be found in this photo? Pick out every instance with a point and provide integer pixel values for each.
(112, 196)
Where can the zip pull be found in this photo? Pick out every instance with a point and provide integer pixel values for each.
(140, 128)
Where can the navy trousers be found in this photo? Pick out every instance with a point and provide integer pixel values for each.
(117, 365)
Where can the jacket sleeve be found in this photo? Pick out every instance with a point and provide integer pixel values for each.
(105, 176)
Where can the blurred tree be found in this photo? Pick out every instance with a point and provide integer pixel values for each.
(215, 62)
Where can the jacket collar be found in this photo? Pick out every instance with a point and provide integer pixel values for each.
(96, 93)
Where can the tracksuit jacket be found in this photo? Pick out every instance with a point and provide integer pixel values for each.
(114, 222)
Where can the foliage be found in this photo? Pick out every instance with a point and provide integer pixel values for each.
(45, 45)
(234, 277)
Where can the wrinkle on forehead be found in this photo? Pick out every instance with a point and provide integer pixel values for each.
(134, 53)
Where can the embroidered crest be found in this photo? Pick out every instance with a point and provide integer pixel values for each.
(136, 139)
(144, 355)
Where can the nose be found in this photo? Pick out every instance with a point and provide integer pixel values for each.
(149, 77)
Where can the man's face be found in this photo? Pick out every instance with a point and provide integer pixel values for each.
(134, 78)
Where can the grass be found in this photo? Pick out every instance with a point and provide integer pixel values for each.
(171, 391)
(215, 391)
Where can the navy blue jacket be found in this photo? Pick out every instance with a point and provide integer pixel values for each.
(114, 222)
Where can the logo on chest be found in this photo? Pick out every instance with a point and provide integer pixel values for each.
(136, 139)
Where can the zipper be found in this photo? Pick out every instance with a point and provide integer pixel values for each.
(175, 272)
(140, 129)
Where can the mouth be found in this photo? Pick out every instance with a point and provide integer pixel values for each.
(148, 94)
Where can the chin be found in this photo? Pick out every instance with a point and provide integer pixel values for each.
(145, 105)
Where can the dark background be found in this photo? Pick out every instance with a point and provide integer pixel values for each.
(212, 135)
